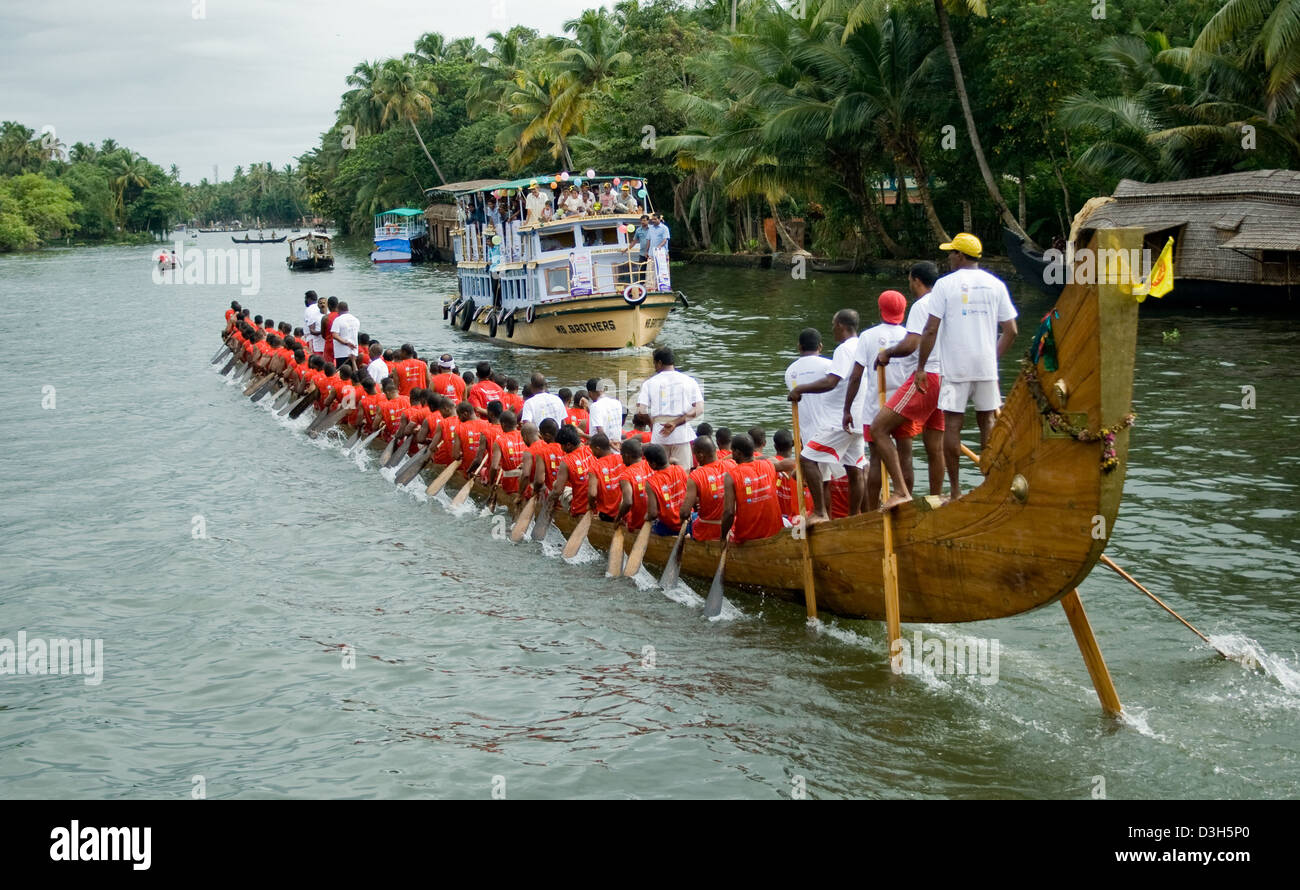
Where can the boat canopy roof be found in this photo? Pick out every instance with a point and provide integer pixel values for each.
(401, 211)
(318, 236)
(488, 185)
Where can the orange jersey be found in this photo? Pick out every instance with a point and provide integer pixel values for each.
(485, 392)
(709, 483)
(553, 455)
(758, 515)
(391, 412)
(411, 374)
(580, 418)
(369, 409)
(449, 385)
(473, 433)
(512, 455)
(840, 497)
(724, 454)
(785, 496)
(669, 487)
(637, 475)
(513, 401)
(578, 463)
(450, 427)
(608, 471)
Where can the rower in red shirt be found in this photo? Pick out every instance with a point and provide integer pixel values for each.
(448, 432)
(705, 492)
(751, 511)
(365, 417)
(574, 467)
(549, 430)
(513, 401)
(508, 453)
(416, 420)
(328, 386)
(604, 477)
(391, 411)
(783, 441)
(473, 439)
(445, 382)
(578, 416)
(666, 490)
(633, 482)
(485, 390)
(723, 437)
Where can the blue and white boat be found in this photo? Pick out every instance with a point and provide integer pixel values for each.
(401, 236)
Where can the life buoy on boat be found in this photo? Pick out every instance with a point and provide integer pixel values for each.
(634, 294)
(468, 315)
(531, 313)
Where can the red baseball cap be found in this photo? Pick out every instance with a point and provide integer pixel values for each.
(893, 307)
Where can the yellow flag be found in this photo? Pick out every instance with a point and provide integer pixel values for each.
(1161, 279)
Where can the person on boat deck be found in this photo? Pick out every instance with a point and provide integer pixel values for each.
(750, 509)
(588, 198)
(535, 203)
(311, 320)
(666, 490)
(642, 235)
(862, 399)
(344, 331)
(622, 200)
(910, 408)
(605, 414)
(604, 478)
(327, 327)
(671, 399)
(786, 480)
(492, 216)
(829, 444)
(967, 306)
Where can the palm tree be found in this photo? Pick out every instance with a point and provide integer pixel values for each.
(404, 95)
(128, 170)
(499, 68)
(20, 149)
(430, 49)
(1273, 31)
(541, 120)
(361, 104)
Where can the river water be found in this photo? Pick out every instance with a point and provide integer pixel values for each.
(230, 565)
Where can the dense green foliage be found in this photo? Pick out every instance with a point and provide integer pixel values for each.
(812, 108)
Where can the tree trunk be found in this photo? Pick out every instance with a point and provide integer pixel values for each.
(781, 230)
(995, 193)
(927, 201)
(1020, 208)
(706, 233)
(436, 169)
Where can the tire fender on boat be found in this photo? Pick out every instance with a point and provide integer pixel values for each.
(510, 324)
(492, 323)
(634, 294)
(468, 315)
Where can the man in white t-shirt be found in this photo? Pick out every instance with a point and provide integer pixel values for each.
(542, 404)
(810, 367)
(910, 409)
(966, 307)
(829, 444)
(862, 398)
(606, 414)
(311, 319)
(344, 333)
(378, 368)
(670, 399)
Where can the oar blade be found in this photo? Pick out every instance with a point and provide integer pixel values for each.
(673, 571)
(543, 523)
(463, 495)
(230, 364)
(270, 387)
(216, 356)
(574, 544)
(443, 478)
(302, 406)
(713, 605)
(412, 468)
(615, 567)
(639, 546)
(521, 524)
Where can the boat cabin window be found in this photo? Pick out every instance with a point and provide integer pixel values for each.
(597, 237)
(560, 239)
(557, 280)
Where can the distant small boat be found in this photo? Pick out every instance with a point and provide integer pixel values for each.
(310, 251)
(248, 240)
(1033, 266)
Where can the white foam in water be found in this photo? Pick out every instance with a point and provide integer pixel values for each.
(1253, 657)
(844, 635)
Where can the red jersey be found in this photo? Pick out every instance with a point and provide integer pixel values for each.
(638, 475)
(709, 482)
(411, 374)
(417, 415)
(391, 412)
(513, 401)
(485, 391)
(449, 385)
(328, 389)
(538, 450)
(724, 454)
(608, 471)
(840, 497)
(758, 515)
(450, 427)
(669, 487)
(325, 324)
(578, 463)
(512, 455)
(785, 496)
(580, 418)
(473, 433)
(552, 455)
(369, 409)
(643, 436)
(344, 391)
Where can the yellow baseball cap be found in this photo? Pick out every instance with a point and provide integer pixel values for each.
(965, 243)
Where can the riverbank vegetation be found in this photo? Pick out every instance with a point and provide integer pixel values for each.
(882, 126)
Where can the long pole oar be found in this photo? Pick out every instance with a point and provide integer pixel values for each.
(673, 571)
(615, 565)
(217, 355)
(443, 478)
(283, 398)
(543, 523)
(637, 554)
(325, 421)
(409, 470)
(888, 562)
(302, 406)
(388, 452)
(574, 544)
(253, 387)
(230, 364)
(270, 387)
(521, 524)
(713, 605)
(360, 445)
(463, 495)
(809, 583)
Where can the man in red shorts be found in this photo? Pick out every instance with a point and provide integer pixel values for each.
(909, 405)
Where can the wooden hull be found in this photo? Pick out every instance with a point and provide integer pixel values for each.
(1031, 266)
(599, 322)
(311, 264)
(1025, 537)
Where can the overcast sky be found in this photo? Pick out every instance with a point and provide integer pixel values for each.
(199, 83)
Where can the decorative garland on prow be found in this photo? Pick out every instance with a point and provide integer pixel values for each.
(1061, 423)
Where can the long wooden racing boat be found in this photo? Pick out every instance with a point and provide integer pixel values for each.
(1025, 537)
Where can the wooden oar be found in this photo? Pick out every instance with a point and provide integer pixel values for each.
(543, 523)
(713, 605)
(888, 562)
(388, 452)
(639, 546)
(615, 567)
(463, 495)
(284, 398)
(252, 387)
(496, 487)
(402, 448)
(325, 421)
(443, 478)
(354, 438)
(230, 364)
(574, 544)
(809, 583)
(1110, 564)
(302, 406)
(521, 524)
(673, 571)
(216, 357)
(271, 387)
(409, 470)
(360, 445)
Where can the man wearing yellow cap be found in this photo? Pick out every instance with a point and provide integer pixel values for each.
(534, 204)
(966, 308)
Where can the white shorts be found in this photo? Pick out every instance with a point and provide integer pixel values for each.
(955, 394)
(835, 448)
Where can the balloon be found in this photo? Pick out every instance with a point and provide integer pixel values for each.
(565, 176)
(641, 193)
(590, 173)
(577, 180)
(496, 239)
(553, 185)
(616, 180)
(631, 230)
(622, 229)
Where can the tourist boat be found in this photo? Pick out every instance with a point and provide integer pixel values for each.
(1042, 271)
(401, 236)
(568, 283)
(1025, 537)
(259, 240)
(310, 251)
